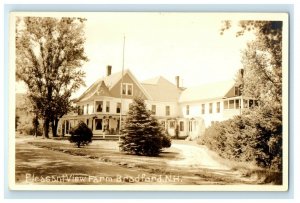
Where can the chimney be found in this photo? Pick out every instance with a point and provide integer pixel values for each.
(242, 72)
(177, 81)
(108, 70)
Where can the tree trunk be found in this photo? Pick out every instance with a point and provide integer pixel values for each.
(36, 125)
(46, 128)
(54, 125)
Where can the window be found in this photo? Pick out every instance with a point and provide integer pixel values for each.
(187, 109)
(107, 106)
(203, 108)
(218, 107)
(163, 123)
(225, 104)
(237, 103)
(153, 109)
(99, 106)
(250, 103)
(87, 122)
(127, 89)
(124, 89)
(245, 103)
(237, 91)
(98, 124)
(67, 126)
(210, 107)
(172, 124)
(231, 104)
(80, 110)
(253, 103)
(118, 109)
(181, 126)
(87, 109)
(167, 110)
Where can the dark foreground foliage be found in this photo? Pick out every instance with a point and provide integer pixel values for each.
(81, 134)
(142, 133)
(253, 137)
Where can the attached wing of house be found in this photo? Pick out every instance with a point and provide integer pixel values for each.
(211, 91)
(162, 90)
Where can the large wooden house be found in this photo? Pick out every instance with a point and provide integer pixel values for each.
(183, 112)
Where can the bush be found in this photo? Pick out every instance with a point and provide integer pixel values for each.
(143, 135)
(166, 141)
(39, 131)
(81, 134)
(252, 137)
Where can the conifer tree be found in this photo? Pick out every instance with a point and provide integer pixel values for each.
(142, 133)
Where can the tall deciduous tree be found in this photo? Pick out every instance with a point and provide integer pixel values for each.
(262, 60)
(262, 64)
(49, 57)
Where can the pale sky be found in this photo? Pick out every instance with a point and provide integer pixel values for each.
(161, 44)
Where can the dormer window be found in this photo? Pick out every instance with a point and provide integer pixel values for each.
(127, 89)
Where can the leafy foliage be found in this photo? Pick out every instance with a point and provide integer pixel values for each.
(49, 55)
(246, 138)
(81, 134)
(143, 135)
(256, 135)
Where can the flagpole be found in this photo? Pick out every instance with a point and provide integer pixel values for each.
(120, 125)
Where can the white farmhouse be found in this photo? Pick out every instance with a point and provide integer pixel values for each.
(183, 112)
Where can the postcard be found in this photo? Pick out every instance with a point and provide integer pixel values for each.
(148, 101)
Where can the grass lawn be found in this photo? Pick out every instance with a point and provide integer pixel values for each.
(104, 159)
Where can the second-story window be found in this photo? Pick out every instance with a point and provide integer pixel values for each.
(107, 106)
(210, 107)
(218, 107)
(118, 109)
(99, 106)
(80, 110)
(153, 109)
(87, 109)
(167, 110)
(203, 108)
(127, 89)
(237, 91)
(187, 109)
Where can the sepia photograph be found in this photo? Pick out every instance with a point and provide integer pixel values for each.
(148, 101)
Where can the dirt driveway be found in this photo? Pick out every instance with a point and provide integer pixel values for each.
(196, 157)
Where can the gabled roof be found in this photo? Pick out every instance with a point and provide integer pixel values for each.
(103, 85)
(161, 89)
(206, 91)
